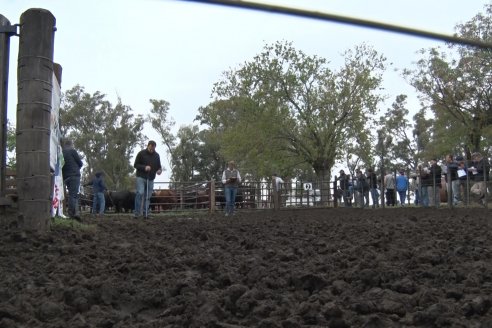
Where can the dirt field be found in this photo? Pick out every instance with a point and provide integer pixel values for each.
(297, 268)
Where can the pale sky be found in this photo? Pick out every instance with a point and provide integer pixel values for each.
(176, 50)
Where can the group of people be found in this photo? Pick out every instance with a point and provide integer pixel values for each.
(147, 165)
(466, 179)
(356, 191)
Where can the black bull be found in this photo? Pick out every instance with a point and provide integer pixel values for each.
(122, 201)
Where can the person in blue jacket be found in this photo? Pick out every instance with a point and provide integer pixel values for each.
(402, 187)
(98, 188)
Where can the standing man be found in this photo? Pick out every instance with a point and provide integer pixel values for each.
(361, 189)
(402, 187)
(463, 177)
(71, 178)
(435, 172)
(231, 180)
(389, 182)
(426, 181)
(452, 175)
(148, 164)
(344, 184)
(98, 189)
(277, 184)
(372, 179)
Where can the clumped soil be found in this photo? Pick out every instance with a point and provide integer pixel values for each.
(291, 268)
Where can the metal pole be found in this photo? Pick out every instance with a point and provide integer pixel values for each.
(345, 20)
(6, 31)
(146, 196)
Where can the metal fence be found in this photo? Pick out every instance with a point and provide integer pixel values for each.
(209, 196)
(258, 195)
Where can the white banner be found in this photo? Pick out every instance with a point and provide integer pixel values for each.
(55, 123)
(58, 193)
(56, 157)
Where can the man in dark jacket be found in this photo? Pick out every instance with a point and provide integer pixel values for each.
(71, 178)
(451, 173)
(435, 172)
(345, 188)
(148, 164)
(372, 179)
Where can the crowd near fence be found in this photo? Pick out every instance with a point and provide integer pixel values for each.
(262, 195)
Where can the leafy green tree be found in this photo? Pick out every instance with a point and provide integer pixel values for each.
(106, 136)
(11, 136)
(185, 156)
(211, 163)
(285, 108)
(455, 87)
(403, 147)
(422, 134)
(196, 156)
(161, 122)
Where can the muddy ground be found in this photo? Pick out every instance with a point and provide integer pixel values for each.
(296, 268)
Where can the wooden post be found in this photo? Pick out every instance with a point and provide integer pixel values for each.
(275, 194)
(212, 196)
(335, 192)
(35, 73)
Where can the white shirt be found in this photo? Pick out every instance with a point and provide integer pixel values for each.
(278, 182)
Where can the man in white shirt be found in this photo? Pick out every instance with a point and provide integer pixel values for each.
(277, 184)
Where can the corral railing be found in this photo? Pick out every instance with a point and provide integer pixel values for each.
(253, 195)
(209, 196)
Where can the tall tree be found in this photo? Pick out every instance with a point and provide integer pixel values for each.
(185, 156)
(211, 163)
(161, 122)
(455, 86)
(105, 135)
(286, 108)
(395, 122)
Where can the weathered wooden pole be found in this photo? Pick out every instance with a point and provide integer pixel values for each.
(6, 31)
(211, 198)
(34, 75)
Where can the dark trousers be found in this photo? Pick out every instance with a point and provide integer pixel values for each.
(390, 197)
(73, 186)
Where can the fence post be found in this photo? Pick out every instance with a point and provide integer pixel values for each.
(276, 203)
(35, 75)
(211, 199)
(335, 192)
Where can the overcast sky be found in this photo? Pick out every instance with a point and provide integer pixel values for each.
(176, 50)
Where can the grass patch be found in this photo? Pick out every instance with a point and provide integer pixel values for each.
(66, 223)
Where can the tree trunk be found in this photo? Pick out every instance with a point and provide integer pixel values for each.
(323, 174)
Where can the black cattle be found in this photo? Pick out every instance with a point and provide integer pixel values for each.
(122, 201)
